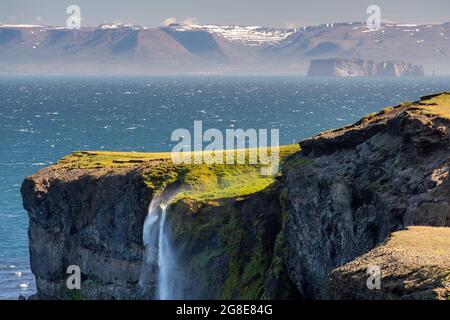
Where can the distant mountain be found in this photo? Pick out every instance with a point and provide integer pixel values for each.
(179, 48)
(427, 45)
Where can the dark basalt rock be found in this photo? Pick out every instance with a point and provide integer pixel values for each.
(350, 188)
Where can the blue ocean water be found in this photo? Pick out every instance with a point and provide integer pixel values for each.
(45, 118)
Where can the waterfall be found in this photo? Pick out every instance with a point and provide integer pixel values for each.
(166, 261)
(160, 258)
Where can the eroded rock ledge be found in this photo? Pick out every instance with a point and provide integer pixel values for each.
(339, 198)
(421, 256)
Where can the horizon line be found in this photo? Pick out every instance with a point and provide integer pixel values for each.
(389, 23)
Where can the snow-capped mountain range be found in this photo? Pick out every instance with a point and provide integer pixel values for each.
(127, 48)
(250, 35)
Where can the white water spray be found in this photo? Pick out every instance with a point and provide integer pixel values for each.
(159, 256)
(166, 261)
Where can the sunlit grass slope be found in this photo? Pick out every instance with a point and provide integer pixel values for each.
(198, 181)
(438, 104)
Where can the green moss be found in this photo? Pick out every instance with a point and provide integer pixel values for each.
(249, 259)
(74, 294)
(200, 181)
(253, 276)
(232, 235)
(159, 176)
(227, 238)
(206, 182)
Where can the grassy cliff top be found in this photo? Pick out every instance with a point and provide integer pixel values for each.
(199, 181)
(438, 104)
(108, 159)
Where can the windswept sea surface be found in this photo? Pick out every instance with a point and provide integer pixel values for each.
(45, 118)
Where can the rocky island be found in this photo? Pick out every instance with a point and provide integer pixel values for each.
(375, 193)
(363, 68)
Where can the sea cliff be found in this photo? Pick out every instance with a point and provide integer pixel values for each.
(363, 68)
(345, 201)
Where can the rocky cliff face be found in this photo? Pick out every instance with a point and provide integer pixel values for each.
(363, 68)
(337, 199)
(91, 219)
(350, 188)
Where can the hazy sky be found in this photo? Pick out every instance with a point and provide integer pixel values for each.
(251, 12)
